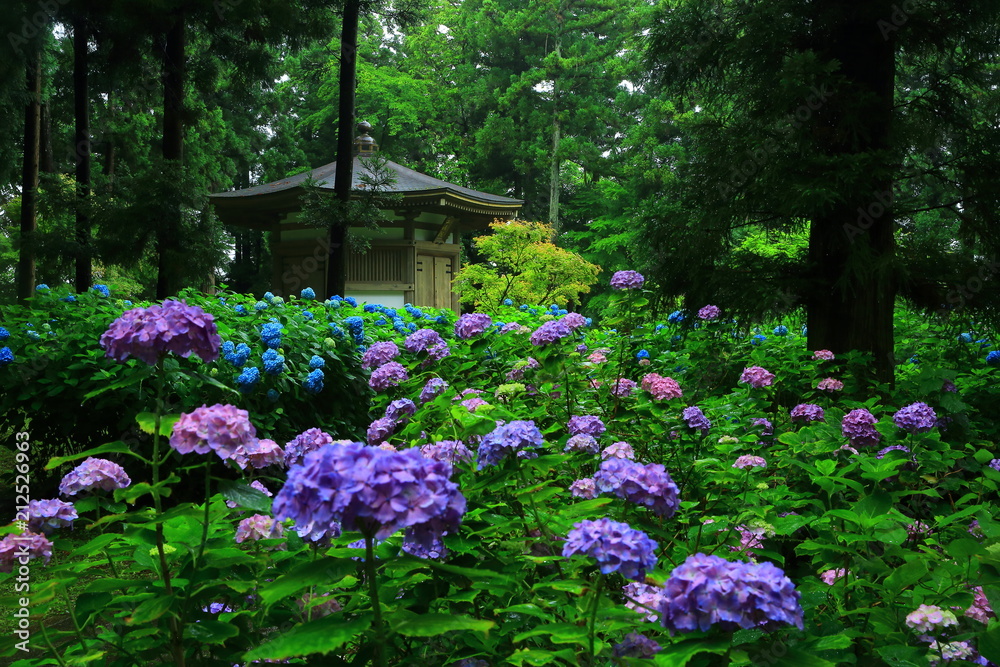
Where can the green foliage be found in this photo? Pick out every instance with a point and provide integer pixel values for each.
(522, 264)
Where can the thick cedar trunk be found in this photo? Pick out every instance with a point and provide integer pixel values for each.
(336, 266)
(851, 247)
(46, 158)
(81, 151)
(29, 179)
(554, 184)
(168, 238)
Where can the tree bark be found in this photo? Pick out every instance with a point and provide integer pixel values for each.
(554, 182)
(169, 231)
(81, 151)
(29, 178)
(336, 265)
(852, 248)
(46, 159)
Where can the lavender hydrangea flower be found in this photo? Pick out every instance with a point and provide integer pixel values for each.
(915, 418)
(550, 332)
(643, 599)
(747, 461)
(995, 464)
(94, 474)
(616, 546)
(149, 333)
(807, 412)
(830, 384)
(618, 450)
(859, 427)
(953, 651)
(980, 609)
(623, 387)
(757, 377)
(373, 491)
(830, 577)
(527, 364)
(14, 548)
(513, 438)
(929, 618)
(380, 430)
(574, 321)
(823, 355)
(584, 488)
(433, 550)
(516, 327)
(695, 418)
(450, 451)
(434, 387)
(627, 280)
(709, 312)
(259, 454)
(258, 527)
(44, 516)
(421, 340)
(388, 375)
(587, 424)
(400, 409)
(766, 423)
(471, 324)
(379, 353)
(892, 448)
(635, 646)
(647, 485)
(582, 443)
(707, 590)
(220, 428)
(305, 442)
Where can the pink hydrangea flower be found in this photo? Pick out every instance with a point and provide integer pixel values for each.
(823, 355)
(757, 377)
(830, 577)
(748, 461)
(830, 384)
(618, 450)
(662, 388)
(584, 488)
(928, 618)
(219, 428)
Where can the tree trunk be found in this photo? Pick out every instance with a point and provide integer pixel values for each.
(46, 159)
(851, 248)
(81, 151)
(554, 183)
(29, 178)
(336, 265)
(168, 238)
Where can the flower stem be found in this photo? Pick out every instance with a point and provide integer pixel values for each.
(208, 495)
(380, 657)
(593, 616)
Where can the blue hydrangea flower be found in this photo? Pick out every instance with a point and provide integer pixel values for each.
(616, 546)
(308, 293)
(314, 381)
(642, 354)
(993, 358)
(513, 438)
(659, 326)
(508, 302)
(102, 290)
(42, 288)
(33, 335)
(248, 379)
(270, 333)
(274, 363)
(240, 310)
(983, 343)
(238, 356)
(758, 339)
(273, 395)
(126, 302)
(334, 302)
(69, 298)
(441, 319)
(351, 301)
(354, 324)
(259, 306)
(380, 322)
(964, 338)
(371, 307)
(4, 334)
(6, 356)
(268, 296)
(227, 347)
(317, 361)
(336, 331)
(780, 330)
(676, 317)
(524, 306)
(306, 314)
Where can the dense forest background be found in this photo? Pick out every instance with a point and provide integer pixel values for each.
(765, 157)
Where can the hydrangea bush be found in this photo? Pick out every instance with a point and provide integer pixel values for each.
(516, 488)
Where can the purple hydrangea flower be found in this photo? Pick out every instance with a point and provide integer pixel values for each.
(388, 375)
(258, 527)
(915, 418)
(807, 412)
(422, 340)
(616, 546)
(618, 450)
(707, 590)
(709, 312)
(644, 599)
(303, 443)
(635, 646)
(517, 372)
(373, 491)
(513, 438)
(647, 485)
(892, 448)
(379, 353)
(149, 333)
(830, 384)
(220, 428)
(757, 377)
(766, 423)
(44, 516)
(587, 424)
(94, 474)
(980, 609)
(471, 324)
(995, 464)
(623, 387)
(627, 280)
(859, 427)
(929, 618)
(573, 320)
(550, 332)
(516, 327)
(695, 418)
(433, 388)
(380, 430)
(434, 550)
(451, 451)
(748, 461)
(259, 454)
(824, 355)
(830, 577)
(582, 443)
(400, 409)
(584, 488)
(14, 548)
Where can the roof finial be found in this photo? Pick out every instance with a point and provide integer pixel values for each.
(364, 144)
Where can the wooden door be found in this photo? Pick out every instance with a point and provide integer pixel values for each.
(433, 284)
